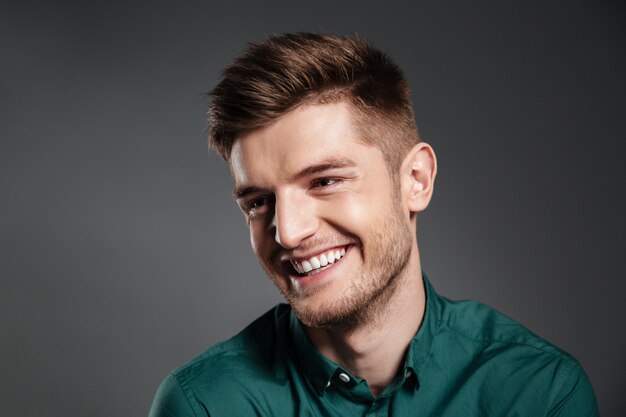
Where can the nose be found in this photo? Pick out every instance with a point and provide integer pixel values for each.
(294, 219)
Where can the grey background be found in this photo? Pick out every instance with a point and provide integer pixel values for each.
(123, 255)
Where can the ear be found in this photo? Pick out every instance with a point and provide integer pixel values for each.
(417, 174)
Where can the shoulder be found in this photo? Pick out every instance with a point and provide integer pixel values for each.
(479, 323)
(250, 352)
(227, 370)
(491, 335)
(517, 362)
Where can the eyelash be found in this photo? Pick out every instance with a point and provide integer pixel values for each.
(333, 182)
(250, 205)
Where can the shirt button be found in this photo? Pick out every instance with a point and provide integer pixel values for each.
(344, 377)
(328, 384)
(408, 373)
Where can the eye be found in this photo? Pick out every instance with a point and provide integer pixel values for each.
(325, 182)
(257, 203)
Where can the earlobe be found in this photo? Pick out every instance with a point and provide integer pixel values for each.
(420, 169)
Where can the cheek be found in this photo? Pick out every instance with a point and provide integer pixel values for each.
(355, 213)
(259, 240)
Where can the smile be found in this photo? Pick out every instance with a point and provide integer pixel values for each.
(319, 262)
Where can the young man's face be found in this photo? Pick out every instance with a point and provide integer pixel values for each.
(325, 219)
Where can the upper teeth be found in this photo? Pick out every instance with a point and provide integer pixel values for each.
(318, 261)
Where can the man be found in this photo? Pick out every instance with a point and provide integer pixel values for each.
(330, 174)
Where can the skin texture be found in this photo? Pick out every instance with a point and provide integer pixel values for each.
(306, 184)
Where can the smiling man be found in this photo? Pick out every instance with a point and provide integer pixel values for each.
(330, 174)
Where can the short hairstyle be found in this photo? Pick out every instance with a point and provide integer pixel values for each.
(286, 71)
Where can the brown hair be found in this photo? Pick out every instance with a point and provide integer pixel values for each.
(288, 70)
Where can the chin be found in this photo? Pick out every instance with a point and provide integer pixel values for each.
(327, 313)
(319, 318)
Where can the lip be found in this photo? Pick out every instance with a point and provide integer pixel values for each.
(320, 276)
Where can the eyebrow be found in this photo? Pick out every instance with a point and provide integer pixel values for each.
(241, 192)
(324, 165)
(317, 168)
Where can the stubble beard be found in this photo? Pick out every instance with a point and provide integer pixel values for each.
(386, 257)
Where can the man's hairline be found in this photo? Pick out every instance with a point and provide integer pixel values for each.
(357, 120)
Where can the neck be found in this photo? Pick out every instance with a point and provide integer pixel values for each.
(374, 349)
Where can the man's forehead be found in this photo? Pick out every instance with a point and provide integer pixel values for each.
(310, 135)
(293, 172)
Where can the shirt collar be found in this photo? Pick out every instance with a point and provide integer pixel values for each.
(321, 371)
(421, 345)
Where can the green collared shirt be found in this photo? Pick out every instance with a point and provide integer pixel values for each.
(465, 360)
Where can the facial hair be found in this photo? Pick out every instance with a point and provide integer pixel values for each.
(385, 250)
